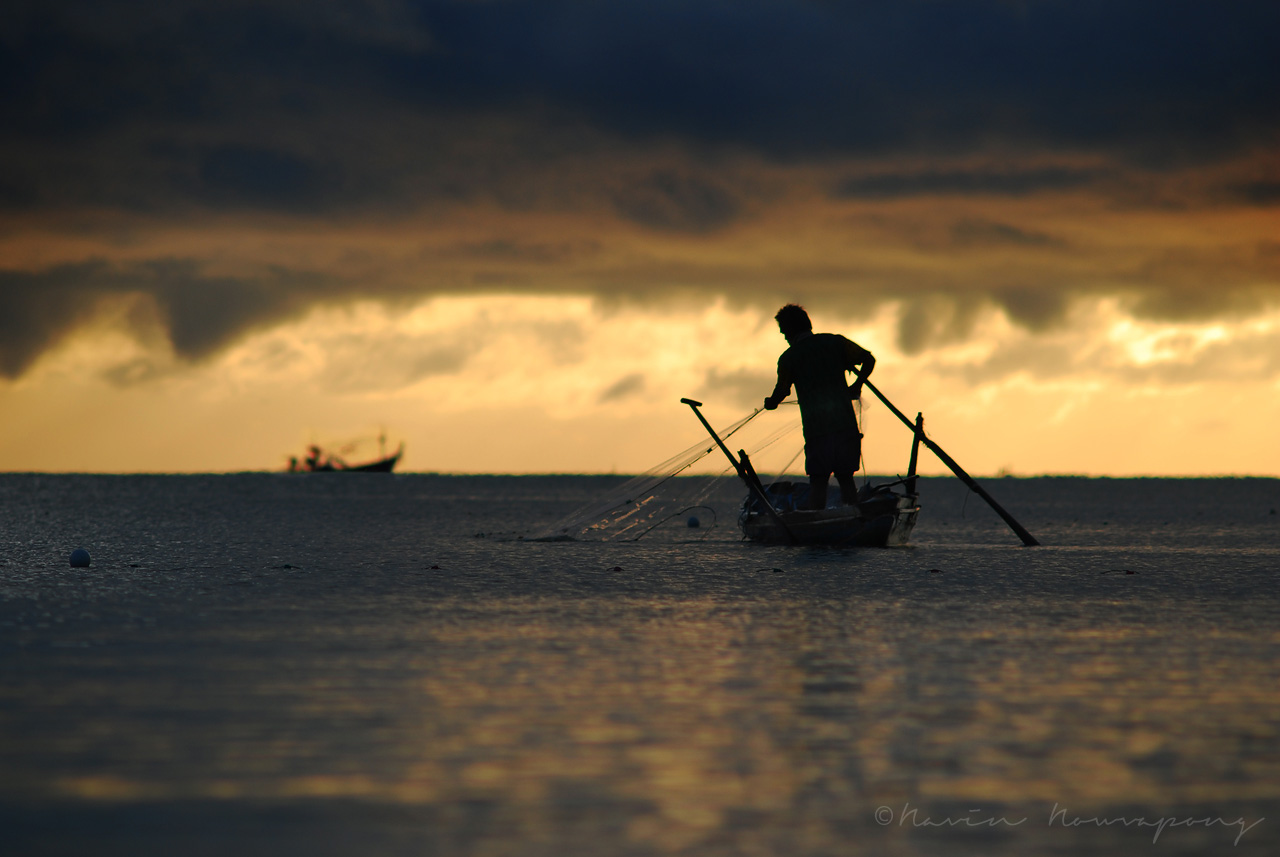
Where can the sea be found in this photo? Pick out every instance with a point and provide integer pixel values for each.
(368, 664)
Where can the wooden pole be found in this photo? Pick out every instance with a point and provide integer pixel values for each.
(915, 452)
(1027, 539)
(753, 485)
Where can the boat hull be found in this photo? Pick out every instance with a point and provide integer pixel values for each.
(382, 465)
(886, 519)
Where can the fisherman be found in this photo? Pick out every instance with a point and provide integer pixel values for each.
(816, 364)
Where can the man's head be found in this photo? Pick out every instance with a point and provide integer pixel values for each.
(793, 321)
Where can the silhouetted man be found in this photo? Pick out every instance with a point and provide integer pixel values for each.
(816, 364)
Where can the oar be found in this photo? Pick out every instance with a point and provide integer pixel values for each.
(1027, 539)
(745, 473)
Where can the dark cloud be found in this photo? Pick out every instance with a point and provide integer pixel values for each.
(987, 233)
(1263, 193)
(201, 312)
(524, 252)
(634, 109)
(262, 87)
(39, 309)
(970, 182)
(672, 201)
(1034, 309)
(17, 193)
(1165, 79)
(206, 312)
(1204, 300)
(933, 320)
(249, 176)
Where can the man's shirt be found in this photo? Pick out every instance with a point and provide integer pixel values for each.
(816, 365)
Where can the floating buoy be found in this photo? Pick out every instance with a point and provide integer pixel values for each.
(79, 558)
(693, 522)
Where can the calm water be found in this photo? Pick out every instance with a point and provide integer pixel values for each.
(343, 664)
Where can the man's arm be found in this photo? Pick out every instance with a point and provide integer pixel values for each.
(863, 359)
(781, 390)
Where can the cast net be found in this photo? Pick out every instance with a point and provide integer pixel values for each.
(692, 493)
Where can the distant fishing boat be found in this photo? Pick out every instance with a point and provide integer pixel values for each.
(318, 460)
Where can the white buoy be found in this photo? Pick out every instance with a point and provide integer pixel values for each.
(79, 558)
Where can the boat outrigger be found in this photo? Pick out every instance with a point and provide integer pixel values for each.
(881, 516)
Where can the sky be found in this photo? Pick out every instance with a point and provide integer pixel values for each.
(512, 235)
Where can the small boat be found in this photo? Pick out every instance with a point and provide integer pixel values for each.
(881, 515)
(320, 461)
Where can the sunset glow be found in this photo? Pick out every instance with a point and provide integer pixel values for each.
(521, 265)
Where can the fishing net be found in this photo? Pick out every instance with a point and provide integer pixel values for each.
(686, 494)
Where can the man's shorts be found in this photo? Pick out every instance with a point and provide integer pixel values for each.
(833, 453)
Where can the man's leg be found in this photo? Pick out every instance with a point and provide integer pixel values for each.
(817, 493)
(847, 458)
(848, 489)
(818, 466)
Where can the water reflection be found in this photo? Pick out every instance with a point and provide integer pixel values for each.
(670, 724)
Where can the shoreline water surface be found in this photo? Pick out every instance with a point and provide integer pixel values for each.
(352, 664)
